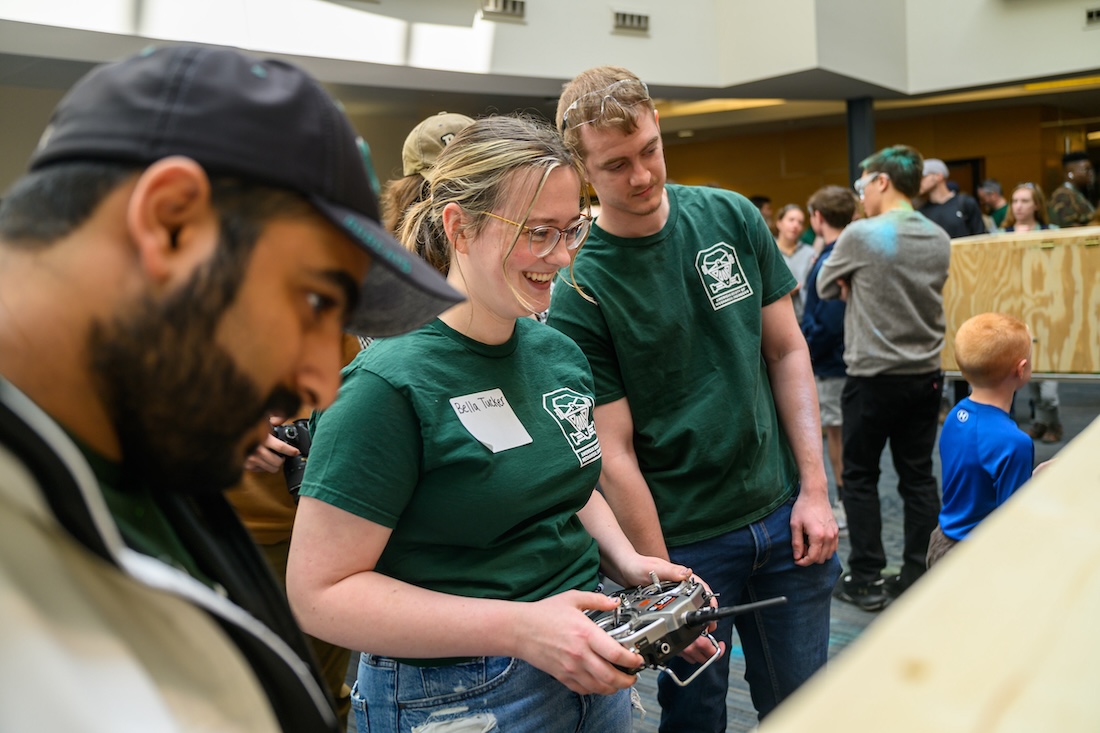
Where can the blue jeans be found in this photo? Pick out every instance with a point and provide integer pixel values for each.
(479, 696)
(784, 645)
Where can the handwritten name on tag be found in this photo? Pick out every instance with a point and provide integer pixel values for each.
(491, 420)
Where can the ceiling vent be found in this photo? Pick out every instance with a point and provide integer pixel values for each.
(634, 22)
(503, 9)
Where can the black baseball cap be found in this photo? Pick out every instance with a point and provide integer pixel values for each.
(262, 120)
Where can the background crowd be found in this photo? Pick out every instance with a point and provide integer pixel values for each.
(700, 361)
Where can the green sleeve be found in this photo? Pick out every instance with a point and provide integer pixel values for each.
(583, 322)
(365, 455)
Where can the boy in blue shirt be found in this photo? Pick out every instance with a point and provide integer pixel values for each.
(985, 456)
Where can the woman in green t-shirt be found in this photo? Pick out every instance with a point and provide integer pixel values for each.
(449, 524)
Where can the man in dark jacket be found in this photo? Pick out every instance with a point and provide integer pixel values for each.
(196, 230)
(958, 213)
(831, 209)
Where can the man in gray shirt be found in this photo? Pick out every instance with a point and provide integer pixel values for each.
(891, 268)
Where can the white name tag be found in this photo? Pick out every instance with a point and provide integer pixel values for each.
(490, 419)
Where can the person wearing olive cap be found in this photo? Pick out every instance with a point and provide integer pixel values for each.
(196, 230)
(422, 146)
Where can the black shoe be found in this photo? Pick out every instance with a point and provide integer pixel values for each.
(866, 596)
(893, 586)
(1038, 430)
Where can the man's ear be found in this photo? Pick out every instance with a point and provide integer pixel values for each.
(171, 220)
(454, 220)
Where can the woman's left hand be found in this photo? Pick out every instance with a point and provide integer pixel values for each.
(638, 572)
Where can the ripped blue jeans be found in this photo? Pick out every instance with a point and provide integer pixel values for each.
(482, 695)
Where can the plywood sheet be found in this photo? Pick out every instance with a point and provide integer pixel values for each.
(1000, 637)
(1048, 279)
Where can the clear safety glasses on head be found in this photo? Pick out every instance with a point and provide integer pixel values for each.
(861, 185)
(590, 107)
(541, 240)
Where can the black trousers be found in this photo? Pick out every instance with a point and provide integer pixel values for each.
(903, 409)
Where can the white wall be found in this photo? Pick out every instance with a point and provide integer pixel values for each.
(997, 41)
(913, 46)
(699, 46)
(760, 40)
(866, 40)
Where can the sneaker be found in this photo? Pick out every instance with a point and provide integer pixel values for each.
(1053, 434)
(893, 586)
(1037, 430)
(865, 596)
(841, 518)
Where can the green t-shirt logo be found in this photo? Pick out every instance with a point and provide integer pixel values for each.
(722, 276)
(573, 411)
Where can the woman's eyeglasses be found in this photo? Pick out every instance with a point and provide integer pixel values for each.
(541, 240)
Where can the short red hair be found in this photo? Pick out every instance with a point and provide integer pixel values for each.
(989, 346)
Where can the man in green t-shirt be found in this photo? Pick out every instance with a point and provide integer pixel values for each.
(706, 409)
(993, 201)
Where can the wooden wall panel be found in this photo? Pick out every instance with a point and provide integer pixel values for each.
(1048, 279)
(916, 132)
(815, 152)
(1018, 167)
(789, 165)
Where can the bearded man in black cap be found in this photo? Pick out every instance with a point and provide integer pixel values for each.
(196, 230)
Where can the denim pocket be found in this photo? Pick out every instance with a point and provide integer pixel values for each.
(359, 710)
(453, 683)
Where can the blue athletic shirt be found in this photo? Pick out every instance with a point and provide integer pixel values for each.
(985, 458)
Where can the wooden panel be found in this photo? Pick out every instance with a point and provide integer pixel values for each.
(1000, 637)
(1048, 279)
(996, 131)
(1014, 168)
(811, 151)
(790, 164)
(751, 157)
(917, 132)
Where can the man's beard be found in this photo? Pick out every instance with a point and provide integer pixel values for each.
(180, 405)
(655, 207)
